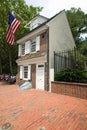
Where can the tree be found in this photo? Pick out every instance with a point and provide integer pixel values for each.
(78, 23)
(23, 12)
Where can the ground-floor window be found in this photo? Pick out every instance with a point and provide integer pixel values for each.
(25, 72)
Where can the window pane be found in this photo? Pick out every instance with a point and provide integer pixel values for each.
(23, 49)
(25, 71)
(33, 45)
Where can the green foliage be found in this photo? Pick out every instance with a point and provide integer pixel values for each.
(23, 12)
(71, 75)
(78, 23)
(83, 48)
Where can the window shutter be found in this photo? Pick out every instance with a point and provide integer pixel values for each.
(19, 50)
(27, 47)
(37, 43)
(21, 72)
(29, 72)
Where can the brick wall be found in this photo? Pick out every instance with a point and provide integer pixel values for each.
(71, 89)
(39, 53)
(33, 75)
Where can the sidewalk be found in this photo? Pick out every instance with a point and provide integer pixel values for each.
(40, 110)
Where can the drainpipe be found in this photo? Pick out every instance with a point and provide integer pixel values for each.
(47, 56)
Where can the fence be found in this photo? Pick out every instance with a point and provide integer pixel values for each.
(69, 59)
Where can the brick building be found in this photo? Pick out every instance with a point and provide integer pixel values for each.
(36, 59)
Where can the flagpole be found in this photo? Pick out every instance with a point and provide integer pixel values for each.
(13, 12)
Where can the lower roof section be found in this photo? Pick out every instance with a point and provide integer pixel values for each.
(37, 60)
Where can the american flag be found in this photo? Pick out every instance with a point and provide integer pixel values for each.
(13, 24)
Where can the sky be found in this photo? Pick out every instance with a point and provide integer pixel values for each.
(52, 7)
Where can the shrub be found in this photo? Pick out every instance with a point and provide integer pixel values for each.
(71, 75)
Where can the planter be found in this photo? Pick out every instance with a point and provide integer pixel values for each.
(71, 89)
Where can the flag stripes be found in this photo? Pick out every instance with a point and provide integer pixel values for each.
(11, 30)
(15, 25)
(10, 36)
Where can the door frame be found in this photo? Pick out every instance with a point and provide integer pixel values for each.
(43, 75)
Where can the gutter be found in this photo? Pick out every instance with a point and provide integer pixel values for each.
(47, 56)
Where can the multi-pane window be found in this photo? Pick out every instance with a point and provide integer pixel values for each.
(33, 45)
(25, 72)
(23, 49)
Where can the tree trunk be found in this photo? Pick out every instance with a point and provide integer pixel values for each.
(10, 62)
(0, 66)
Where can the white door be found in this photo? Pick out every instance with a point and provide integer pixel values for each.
(40, 76)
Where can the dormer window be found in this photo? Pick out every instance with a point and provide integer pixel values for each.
(37, 21)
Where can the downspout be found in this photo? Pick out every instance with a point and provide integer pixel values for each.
(47, 56)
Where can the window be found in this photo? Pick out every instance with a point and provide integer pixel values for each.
(23, 49)
(25, 72)
(33, 45)
(40, 66)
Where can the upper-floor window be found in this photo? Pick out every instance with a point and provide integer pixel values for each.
(33, 45)
(23, 49)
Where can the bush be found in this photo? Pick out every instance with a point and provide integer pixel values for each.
(71, 75)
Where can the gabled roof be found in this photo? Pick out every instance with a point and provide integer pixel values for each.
(48, 20)
(33, 19)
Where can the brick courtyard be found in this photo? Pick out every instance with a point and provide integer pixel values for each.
(40, 110)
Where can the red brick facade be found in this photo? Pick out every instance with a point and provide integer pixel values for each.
(72, 89)
(40, 53)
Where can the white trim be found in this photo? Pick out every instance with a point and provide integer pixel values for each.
(51, 74)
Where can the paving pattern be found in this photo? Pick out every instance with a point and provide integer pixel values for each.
(40, 110)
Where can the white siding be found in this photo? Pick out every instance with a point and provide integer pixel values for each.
(60, 36)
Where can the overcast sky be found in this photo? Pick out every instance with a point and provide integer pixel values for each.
(51, 7)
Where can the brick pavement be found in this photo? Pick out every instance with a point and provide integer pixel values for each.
(40, 110)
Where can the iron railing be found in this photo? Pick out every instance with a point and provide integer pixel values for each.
(69, 59)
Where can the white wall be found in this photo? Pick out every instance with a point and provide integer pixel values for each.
(60, 39)
(60, 36)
